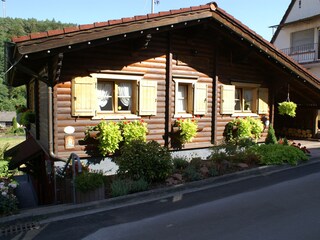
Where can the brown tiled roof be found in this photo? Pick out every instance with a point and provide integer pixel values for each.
(210, 10)
(107, 23)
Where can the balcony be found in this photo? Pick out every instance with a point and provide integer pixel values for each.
(308, 53)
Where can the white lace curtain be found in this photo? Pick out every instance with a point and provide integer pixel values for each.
(182, 92)
(104, 93)
(124, 93)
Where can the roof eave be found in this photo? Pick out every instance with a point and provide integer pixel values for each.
(265, 47)
(67, 41)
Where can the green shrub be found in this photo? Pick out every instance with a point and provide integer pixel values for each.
(148, 160)
(120, 187)
(196, 162)
(191, 173)
(27, 117)
(133, 130)
(8, 200)
(87, 181)
(180, 164)
(14, 123)
(138, 185)
(271, 136)
(109, 137)
(213, 172)
(256, 126)
(188, 129)
(278, 154)
(242, 128)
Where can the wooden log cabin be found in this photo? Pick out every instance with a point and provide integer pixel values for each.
(192, 62)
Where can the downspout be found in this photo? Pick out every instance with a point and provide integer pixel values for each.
(50, 136)
(168, 92)
(52, 155)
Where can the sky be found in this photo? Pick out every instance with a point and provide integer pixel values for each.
(258, 15)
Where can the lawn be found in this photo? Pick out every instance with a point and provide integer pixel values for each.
(11, 140)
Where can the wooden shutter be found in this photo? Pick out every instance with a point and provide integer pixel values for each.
(227, 99)
(200, 98)
(263, 101)
(84, 96)
(147, 97)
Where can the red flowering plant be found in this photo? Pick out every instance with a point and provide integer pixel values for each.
(187, 129)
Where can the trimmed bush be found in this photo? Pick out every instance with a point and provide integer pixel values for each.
(148, 160)
(271, 136)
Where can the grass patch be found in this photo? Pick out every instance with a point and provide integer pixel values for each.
(11, 140)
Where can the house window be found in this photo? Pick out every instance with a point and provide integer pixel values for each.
(244, 99)
(190, 96)
(182, 98)
(114, 95)
(302, 41)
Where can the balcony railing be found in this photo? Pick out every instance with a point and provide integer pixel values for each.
(303, 54)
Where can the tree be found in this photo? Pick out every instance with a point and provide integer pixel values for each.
(10, 27)
(271, 136)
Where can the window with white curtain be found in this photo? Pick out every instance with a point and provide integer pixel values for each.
(182, 98)
(114, 96)
(104, 95)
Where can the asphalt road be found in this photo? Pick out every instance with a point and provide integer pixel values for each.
(282, 205)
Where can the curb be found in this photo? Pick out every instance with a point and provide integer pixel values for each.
(48, 214)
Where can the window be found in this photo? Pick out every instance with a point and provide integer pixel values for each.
(183, 92)
(244, 101)
(244, 98)
(302, 41)
(190, 96)
(113, 95)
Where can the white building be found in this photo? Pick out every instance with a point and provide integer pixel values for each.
(298, 35)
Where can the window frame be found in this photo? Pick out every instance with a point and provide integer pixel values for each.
(189, 82)
(115, 97)
(116, 78)
(243, 101)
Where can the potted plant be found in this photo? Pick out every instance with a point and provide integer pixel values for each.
(133, 130)
(186, 129)
(287, 108)
(109, 137)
